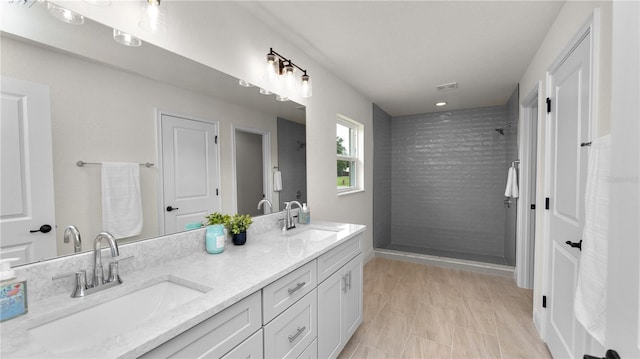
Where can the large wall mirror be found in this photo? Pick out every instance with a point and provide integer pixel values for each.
(106, 103)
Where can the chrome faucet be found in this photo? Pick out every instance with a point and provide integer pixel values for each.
(289, 223)
(265, 202)
(98, 272)
(73, 232)
(99, 283)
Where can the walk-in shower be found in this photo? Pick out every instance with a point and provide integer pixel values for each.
(439, 182)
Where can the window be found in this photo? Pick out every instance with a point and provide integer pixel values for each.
(349, 155)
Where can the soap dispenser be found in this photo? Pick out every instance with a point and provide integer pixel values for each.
(13, 293)
(304, 216)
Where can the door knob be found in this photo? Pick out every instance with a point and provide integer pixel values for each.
(575, 244)
(169, 208)
(45, 228)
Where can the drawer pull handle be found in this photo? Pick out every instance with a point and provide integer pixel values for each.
(298, 332)
(298, 286)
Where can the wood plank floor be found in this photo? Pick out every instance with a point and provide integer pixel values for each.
(422, 311)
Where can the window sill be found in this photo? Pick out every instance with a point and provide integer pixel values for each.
(350, 191)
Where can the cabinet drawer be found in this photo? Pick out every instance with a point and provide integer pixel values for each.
(281, 294)
(290, 333)
(331, 261)
(248, 349)
(311, 352)
(215, 336)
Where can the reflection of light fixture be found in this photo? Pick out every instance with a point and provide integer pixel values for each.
(265, 91)
(65, 15)
(280, 65)
(244, 83)
(152, 17)
(282, 98)
(126, 39)
(100, 3)
(440, 103)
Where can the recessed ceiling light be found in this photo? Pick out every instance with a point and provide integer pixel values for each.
(441, 103)
(244, 83)
(265, 91)
(282, 98)
(100, 3)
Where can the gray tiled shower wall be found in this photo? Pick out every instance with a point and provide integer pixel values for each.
(381, 178)
(448, 173)
(292, 160)
(511, 153)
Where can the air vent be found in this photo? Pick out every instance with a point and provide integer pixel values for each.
(448, 86)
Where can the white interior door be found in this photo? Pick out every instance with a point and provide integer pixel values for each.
(190, 171)
(27, 201)
(570, 94)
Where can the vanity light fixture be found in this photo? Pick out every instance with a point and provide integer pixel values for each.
(65, 15)
(278, 65)
(126, 38)
(440, 104)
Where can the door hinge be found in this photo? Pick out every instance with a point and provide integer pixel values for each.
(217, 192)
(544, 301)
(546, 203)
(533, 206)
(548, 105)
(216, 139)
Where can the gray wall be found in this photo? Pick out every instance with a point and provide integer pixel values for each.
(381, 178)
(511, 153)
(249, 174)
(292, 160)
(448, 178)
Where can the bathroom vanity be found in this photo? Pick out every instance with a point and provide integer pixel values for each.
(296, 294)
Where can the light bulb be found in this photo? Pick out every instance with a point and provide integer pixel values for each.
(306, 86)
(272, 64)
(288, 74)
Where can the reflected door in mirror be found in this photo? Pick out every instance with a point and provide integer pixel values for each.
(190, 171)
(27, 172)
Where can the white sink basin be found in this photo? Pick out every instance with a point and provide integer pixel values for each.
(94, 325)
(312, 234)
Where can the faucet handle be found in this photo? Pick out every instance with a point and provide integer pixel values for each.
(114, 274)
(81, 284)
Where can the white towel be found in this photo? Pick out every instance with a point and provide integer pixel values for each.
(277, 181)
(121, 199)
(591, 291)
(512, 183)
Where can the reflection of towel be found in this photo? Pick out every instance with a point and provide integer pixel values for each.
(277, 181)
(591, 292)
(121, 200)
(512, 183)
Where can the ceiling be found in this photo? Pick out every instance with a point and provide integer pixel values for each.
(396, 52)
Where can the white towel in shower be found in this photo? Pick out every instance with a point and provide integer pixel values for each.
(512, 183)
(591, 291)
(277, 181)
(121, 199)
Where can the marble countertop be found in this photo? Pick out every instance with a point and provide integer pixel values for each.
(225, 278)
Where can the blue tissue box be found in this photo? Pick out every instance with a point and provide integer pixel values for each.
(13, 300)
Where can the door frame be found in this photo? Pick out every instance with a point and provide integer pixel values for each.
(160, 189)
(266, 164)
(525, 244)
(590, 26)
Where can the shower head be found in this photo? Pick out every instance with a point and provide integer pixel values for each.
(501, 129)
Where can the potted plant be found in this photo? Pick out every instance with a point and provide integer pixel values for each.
(238, 225)
(217, 218)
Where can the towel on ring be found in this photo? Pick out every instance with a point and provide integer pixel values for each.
(121, 199)
(277, 181)
(590, 302)
(512, 183)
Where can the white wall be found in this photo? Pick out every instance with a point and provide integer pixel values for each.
(228, 37)
(571, 18)
(103, 114)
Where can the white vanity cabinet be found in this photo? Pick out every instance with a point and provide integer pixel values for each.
(339, 307)
(217, 335)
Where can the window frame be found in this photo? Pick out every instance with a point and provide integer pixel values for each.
(355, 157)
